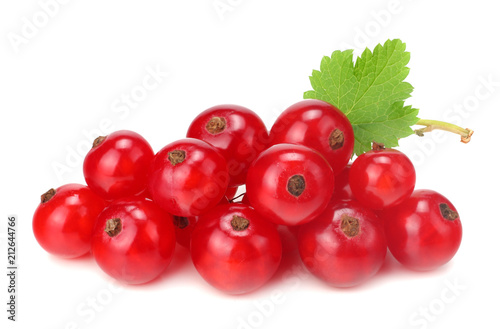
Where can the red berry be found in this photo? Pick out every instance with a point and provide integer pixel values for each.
(117, 165)
(188, 177)
(133, 240)
(184, 227)
(288, 234)
(235, 249)
(342, 190)
(424, 232)
(288, 237)
(64, 219)
(344, 246)
(382, 178)
(290, 184)
(318, 125)
(231, 192)
(245, 200)
(237, 132)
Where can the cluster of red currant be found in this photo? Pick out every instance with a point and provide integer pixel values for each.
(301, 193)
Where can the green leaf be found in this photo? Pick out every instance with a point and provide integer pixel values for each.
(370, 92)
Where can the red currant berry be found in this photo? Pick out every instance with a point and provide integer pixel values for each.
(64, 219)
(188, 177)
(133, 240)
(245, 200)
(288, 234)
(290, 184)
(237, 132)
(318, 125)
(288, 237)
(342, 190)
(382, 178)
(344, 246)
(424, 232)
(117, 165)
(184, 227)
(231, 192)
(234, 249)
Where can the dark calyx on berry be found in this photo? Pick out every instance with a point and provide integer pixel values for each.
(113, 227)
(336, 139)
(98, 141)
(447, 212)
(47, 195)
(239, 223)
(181, 222)
(349, 225)
(296, 185)
(378, 146)
(176, 156)
(216, 125)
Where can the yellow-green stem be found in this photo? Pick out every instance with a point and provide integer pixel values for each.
(430, 125)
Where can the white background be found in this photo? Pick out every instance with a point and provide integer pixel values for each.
(64, 78)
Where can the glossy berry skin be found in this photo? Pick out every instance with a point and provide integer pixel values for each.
(344, 246)
(318, 125)
(137, 248)
(231, 192)
(382, 178)
(234, 255)
(290, 184)
(245, 200)
(237, 132)
(424, 232)
(63, 224)
(288, 234)
(188, 177)
(184, 227)
(342, 190)
(117, 165)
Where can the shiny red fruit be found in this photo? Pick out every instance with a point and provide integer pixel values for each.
(234, 249)
(288, 234)
(117, 165)
(133, 240)
(63, 221)
(231, 192)
(188, 177)
(290, 184)
(237, 132)
(424, 232)
(184, 227)
(382, 178)
(344, 246)
(342, 190)
(318, 125)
